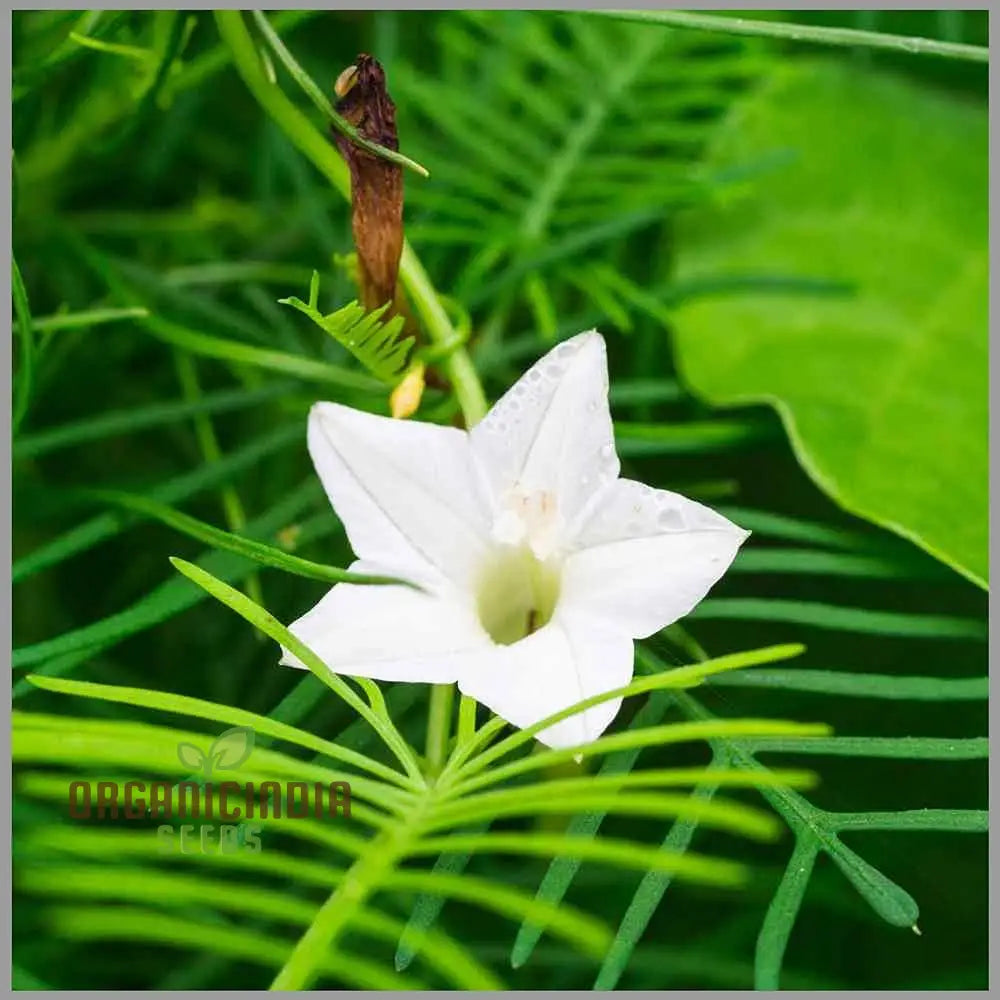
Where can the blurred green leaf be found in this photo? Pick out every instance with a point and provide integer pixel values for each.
(883, 392)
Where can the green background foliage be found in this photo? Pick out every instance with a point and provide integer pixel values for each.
(750, 226)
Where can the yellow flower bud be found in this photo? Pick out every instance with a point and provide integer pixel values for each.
(406, 396)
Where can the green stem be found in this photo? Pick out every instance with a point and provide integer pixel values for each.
(300, 130)
(26, 360)
(358, 883)
(439, 726)
(850, 37)
(320, 100)
(457, 365)
(466, 720)
(232, 506)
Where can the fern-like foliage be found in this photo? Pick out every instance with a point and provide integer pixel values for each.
(377, 344)
(552, 143)
(815, 830)
(396, 815)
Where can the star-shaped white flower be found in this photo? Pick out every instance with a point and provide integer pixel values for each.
(538, 564)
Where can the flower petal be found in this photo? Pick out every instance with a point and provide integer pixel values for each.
(551, 431)
(408, 493)
(389, 633)
(559, 665)
(646, 557)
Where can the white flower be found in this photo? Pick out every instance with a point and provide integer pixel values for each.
(538, 564)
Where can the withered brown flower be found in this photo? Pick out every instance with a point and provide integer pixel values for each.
(376, 184)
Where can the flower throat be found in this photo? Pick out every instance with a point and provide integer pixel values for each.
(517, 594)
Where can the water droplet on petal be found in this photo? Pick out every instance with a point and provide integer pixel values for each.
(670, 519)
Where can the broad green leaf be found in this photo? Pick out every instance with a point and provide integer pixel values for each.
(881, 192)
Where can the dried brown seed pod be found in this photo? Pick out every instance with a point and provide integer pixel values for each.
(376, 184)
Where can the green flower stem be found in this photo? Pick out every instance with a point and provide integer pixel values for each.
(340, 908)
(320, 100)
(300, 130)
(457, 365)
(439, 726)
(466, 720)
(364, 877)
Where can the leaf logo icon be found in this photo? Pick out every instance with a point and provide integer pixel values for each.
(191, 757)
(231, 748)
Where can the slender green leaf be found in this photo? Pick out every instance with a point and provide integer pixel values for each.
(454, 962)
(574, 926)
(781, 914)
(262, 725)
(428, 906)
(95, 923)
(951, 820)
(805, 561)
(831, 616)
(811, 33)
(270, 626)
(634, 440)
(647, 897)
(236, 352)
(266, 555)
(899, 747)
(858, 685)
(96, 529)
(621, 853)
(142, 417)
(164, 602)
(24, 383)
(85, 319)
